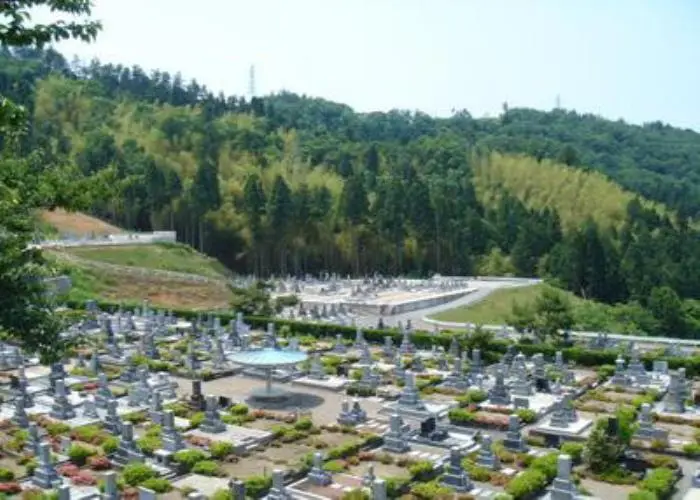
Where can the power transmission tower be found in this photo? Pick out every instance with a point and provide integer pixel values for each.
(251, 81)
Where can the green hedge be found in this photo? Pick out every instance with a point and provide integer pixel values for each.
(579, 355)
(660, 482)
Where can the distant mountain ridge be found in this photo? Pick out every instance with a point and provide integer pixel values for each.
(286, 184)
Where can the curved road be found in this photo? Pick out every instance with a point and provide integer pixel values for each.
(482, 289)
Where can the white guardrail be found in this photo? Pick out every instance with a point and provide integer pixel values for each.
(111, 240)
(579, 334)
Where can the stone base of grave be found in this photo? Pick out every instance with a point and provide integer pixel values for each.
(437, 410)
(460, 483)
(574, 429)
(306, 489)
(242, 438)
(456, 383)
(538, 402)
(204, 484)
(330, 383)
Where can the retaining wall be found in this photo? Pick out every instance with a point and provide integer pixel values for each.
(112, 240)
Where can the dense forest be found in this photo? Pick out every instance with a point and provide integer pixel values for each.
(287, 184)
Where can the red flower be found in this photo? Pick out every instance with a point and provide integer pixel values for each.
(84, 478)
(99, 463)
(68, 470)
(10, 488)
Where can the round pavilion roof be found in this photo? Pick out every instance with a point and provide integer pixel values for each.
(268, 357)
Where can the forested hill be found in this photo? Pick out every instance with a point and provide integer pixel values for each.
(289, 184)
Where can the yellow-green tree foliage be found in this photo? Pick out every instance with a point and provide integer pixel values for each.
(574, 193)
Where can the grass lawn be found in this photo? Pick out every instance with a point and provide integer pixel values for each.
(496, 308)
(165, 256)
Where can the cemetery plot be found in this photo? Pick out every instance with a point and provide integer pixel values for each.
(130, 413)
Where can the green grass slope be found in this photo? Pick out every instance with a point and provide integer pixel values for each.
(161, 256)
(496, 309)
(94, 275)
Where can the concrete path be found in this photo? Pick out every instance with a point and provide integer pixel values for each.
(483, 288)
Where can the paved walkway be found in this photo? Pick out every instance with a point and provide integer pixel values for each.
(483, 288)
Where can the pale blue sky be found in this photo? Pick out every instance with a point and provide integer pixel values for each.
(632, 59)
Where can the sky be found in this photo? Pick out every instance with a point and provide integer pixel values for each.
(638, 60)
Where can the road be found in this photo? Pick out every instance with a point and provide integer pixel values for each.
(482, 290)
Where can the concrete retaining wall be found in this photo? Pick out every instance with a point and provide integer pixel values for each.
(578, 334)
(112, 240)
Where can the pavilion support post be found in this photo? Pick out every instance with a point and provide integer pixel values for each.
(268, 381)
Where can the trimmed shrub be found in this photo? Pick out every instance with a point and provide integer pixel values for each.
(221, 449)
(526, 415)
(79, 454)
(691, 449)
(110, 445)
(149, 444)
(134, 474)
(526, 484)
(334, 466)
(430, 490)
(207, 468)
(239, 409)
(157, 484)
(421, 471)
(574, 450)
(304, 424)
(660, 482)
(6, 475)
(187, 458)
(222, 495)
(257, 486)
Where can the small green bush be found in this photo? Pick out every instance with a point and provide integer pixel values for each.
(257, 486)
(546, 464)
(642, 495)
(356, 494)
(526, 415)
(207, 468)
(477, 396)
(334, 466)
(395, 486)
(149, 444)
(574, 450)
(57, 428)
(197, 419)
(134, 474)
(6, 475)
(89, 434)
(420, 471)
(303, 424)
(239, 409)
(157, 484)
(136, 417)
(222, 495)
(691, 449)
(502, 496)
(527, 484)
(476, 473)
(430, 490)
(189, 457)
(221, 449)
(79, 454)
(110, 445)
(660, 482)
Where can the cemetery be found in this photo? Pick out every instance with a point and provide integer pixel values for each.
(332, 299)
(152, 404)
